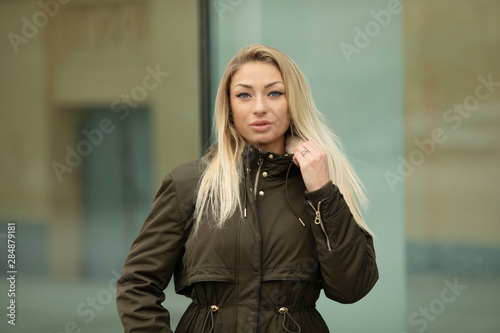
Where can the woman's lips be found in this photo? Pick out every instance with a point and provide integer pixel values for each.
(260, 126)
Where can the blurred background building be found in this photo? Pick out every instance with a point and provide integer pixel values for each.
(101, 99)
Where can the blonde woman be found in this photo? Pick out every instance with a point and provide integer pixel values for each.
(254, 230)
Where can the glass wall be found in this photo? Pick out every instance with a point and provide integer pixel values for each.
(353, 61)
(413, 94)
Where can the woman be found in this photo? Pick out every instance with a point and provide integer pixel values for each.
(256, 228)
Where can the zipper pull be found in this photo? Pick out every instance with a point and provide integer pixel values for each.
(319, 221)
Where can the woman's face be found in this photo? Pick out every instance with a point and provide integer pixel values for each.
(259, 106)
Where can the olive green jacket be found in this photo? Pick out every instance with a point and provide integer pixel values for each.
(263, 271)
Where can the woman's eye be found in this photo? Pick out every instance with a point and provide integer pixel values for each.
(275, 93)
(243, 95)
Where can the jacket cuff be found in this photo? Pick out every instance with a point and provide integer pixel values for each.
(320, 194)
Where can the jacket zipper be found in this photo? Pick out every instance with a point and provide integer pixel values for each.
(319, 222)
(259, 163)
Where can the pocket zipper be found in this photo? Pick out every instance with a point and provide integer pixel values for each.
(319, 221)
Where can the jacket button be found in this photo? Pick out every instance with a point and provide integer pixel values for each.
(261, 193)
(271, 156)
(214, 308)
(264, 174)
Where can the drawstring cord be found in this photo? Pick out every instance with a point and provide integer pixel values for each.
(247, 176)
(210, 314)
(284, 312)
(288, 198)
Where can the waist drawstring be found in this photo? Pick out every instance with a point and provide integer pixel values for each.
(210, 314)
(284, 312)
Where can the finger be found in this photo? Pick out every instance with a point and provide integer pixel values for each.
(312, 147)
(298, 156)
(301, 152)
(307, 154)
(316, 152)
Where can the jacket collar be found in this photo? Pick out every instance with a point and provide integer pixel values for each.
(279, 163)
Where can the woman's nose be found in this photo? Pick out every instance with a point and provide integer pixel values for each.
(260, 105)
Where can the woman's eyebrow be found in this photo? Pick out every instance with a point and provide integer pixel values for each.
(244, 86)
(272, 84)
(250, 87)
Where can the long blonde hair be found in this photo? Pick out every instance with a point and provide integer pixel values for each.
(219, 188)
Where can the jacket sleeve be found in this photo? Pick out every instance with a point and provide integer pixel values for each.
(150, 265)
(345, 251)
